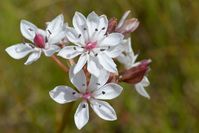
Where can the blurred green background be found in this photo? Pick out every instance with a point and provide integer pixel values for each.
(168, 34)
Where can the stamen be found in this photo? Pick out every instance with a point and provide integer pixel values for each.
(83, 85)
(96, 29)
(85, 28)
(49, 32)
(103, 92)
(30, 29)
(102, 49)
(83, 106)
(46, 39)
(79, 35)
(103, 28)
(97, 83)
(74, 93)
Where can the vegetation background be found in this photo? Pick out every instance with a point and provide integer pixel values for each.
(168, 34)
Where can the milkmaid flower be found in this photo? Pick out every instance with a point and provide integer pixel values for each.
(41, 41)
(128, 58)
(93, 94)
(92, 42)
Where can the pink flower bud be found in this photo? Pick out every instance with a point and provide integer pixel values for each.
(112, 23)
(135, 74)
(39, 41)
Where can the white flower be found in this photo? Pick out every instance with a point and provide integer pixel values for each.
(128, 58)
(92, 93)
(42, 41)
(92, 43)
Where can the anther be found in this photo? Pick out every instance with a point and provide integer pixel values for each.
(83, 106)
(79, 35)
(49, 32)
(102, 49)
(97, 83)
(30, 29)
(103, 28)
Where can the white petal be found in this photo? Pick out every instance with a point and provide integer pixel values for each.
(140, 89)
(78, 79)
(127, 57)
(97, 82)
(107, 92)
(63, 94)
(33, 57)
(19, 51)
(81, 116)
(102, 27)
(107, 63)
(51, 50)
(80, 25)
(28, 29)
(115, 51)
(103, 22)
(103, 110)
(112, 39)
(55, 26)
(70, 52)
(57, 38)
(92, 22)
(93, 66)
(145, 82)
(122, 20)
(79, 21)
(80, 63)
(72, 36)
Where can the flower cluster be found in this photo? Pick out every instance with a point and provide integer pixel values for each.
(91, 45)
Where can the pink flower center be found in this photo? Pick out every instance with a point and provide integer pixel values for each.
(90, 45)
(86, 96)
(39, 41)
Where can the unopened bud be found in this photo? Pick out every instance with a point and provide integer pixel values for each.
(135, 74)
(39, 41)
(112, 23)
(130, 25)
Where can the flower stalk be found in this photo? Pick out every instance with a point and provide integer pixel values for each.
(59, 63)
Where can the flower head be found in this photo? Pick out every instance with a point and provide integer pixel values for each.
(41, 41)
(92, 43)
(96, 91)
(128, 58)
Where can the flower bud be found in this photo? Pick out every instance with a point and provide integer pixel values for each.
(112, 23)
(135, 74)
(39, 41)
(129, 25)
